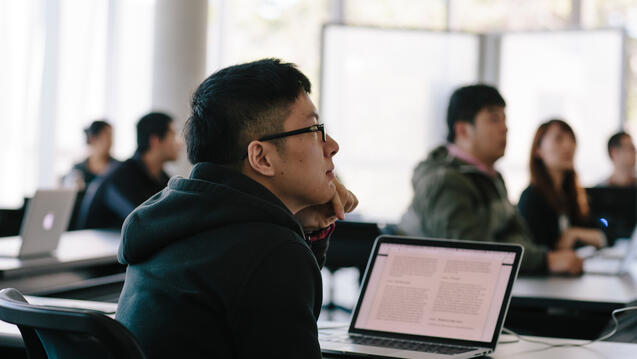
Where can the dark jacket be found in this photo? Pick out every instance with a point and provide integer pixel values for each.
(542, 218)
(455, 200)
(112, 197)
(218, 267)
(81, 169)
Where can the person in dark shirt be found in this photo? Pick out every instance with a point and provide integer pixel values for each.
(99, 138)
(114, 196)
(621, 151)
(226, 263)
(554, 205)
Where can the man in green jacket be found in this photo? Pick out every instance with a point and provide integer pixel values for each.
(458, 193)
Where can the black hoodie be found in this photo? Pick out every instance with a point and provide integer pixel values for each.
(218, 268)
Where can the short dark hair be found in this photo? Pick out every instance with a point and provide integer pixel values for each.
(154, 123)
(94, 129)
(237, 104)
(615, 140)
(466, 102)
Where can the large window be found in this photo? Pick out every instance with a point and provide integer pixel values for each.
(508, 15)
(22, 45)
(429, 14)
(246, 30)
(64, 64)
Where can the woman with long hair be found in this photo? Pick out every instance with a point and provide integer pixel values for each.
(554, 204)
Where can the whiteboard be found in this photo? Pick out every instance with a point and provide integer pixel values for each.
(384, 95)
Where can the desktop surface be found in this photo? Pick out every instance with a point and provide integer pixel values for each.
(585, 291)
(76, 248)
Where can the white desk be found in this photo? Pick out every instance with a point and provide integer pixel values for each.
(76, 249)
(599, 350)
(526, 350)
(588, 290)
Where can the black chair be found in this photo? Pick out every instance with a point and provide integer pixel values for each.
(11, 220)
(54, 332)
(350, 246)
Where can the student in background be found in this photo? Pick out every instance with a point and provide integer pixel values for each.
(99, 138)
(225, 263)
(621, 151)
(554, 205)
(459, 195)
(114, 196)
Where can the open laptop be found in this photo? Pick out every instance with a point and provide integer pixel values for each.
(46, 218)
(611, 265)
(429, 298)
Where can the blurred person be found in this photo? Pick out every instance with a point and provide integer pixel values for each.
(114, 196)
(459, 195)
(99, 138)
(554, 205)
(621, 151)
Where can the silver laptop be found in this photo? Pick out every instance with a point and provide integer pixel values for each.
(612, 265)
(427, 298)
(46, 218)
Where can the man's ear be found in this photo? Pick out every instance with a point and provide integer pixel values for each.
(260, 158)
(153, 141)
(462, 129)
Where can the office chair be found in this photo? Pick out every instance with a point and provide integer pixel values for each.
(350, 246)
(87, 206)
(54, 332)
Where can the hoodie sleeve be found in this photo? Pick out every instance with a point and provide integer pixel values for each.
(446, 207)
(276, 316)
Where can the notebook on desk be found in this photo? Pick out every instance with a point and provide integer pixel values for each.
(46, 218)
(428, 298)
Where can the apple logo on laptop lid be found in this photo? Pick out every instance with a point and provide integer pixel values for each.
(48, 221)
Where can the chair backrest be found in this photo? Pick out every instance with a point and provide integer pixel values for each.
(54, 332)
(350, 245)
(85, 218)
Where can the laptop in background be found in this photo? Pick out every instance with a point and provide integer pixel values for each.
(46, 218)
(428, 298)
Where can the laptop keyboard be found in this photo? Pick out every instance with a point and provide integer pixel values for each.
(400, 344)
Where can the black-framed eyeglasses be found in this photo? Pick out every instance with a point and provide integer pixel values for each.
(313, 128)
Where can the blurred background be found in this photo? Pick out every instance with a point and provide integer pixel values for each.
(382, 72)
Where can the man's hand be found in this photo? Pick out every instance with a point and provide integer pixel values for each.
(320, 216)
(564, 261)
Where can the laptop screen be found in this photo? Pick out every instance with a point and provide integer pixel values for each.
(436, 291)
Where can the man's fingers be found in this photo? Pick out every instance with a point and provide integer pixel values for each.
(351, 202)
(337, 206)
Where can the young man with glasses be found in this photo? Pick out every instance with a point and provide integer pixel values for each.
(226, 263)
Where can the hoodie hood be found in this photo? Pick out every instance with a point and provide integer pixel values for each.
(212, 197)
